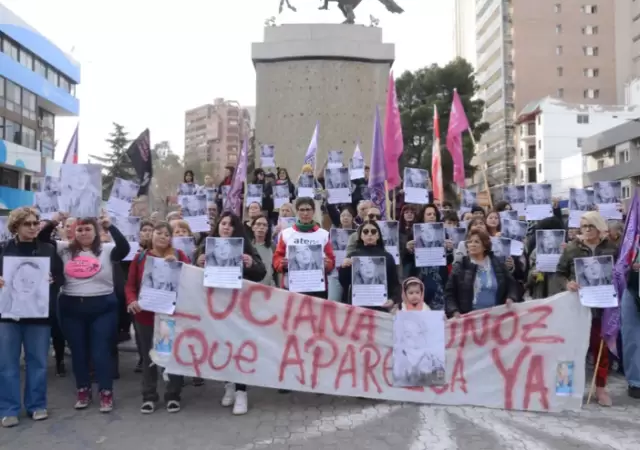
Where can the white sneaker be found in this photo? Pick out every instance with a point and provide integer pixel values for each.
(241, 406)
(229, 394)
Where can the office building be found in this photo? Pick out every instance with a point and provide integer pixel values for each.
(213, 133)
(464, 24)
(614, 154)
(551, 133)
(528, 50)
(627, 35)
(37, 83)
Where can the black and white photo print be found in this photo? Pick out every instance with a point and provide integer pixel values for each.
(187, 189)
(51, 184)
(305, 257)
(223, 252)
(390, 232)
(455, 235)
(468, 198)
(81, 194)
(337, 178)
(418, 348)
(161, 275)
(594, 271)
(549, 242)
(356, 164)
(514, 229)
(268, 151)
(46, 203)
(254, 190)
(501, 247)
(4, 230)
(335, 158)
(581, 199)
(369, 270)
(305, 181)
(415, 178)
(124, 190)
(431, 235)
(538, 194)
(193, 205)
(26, 288)
(340, 238)
(607, 192)
(514, 194)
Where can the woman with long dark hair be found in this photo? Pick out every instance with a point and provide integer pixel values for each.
(230, 226)
(88, 305)
(262, 241)
(408, 217)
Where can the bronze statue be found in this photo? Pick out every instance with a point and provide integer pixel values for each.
(347, 7)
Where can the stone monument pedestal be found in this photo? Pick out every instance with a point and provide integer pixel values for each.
(328, 73)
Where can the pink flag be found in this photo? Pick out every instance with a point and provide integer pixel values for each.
(458, 124)
(436, 162)
(393, 144)
(233, 201)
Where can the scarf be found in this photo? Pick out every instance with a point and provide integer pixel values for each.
(304, 227)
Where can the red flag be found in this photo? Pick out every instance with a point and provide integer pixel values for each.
(393, 144)
(458, 124)
(436, 162)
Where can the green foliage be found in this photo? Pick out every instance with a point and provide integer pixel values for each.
(116, 163)
(417, 93)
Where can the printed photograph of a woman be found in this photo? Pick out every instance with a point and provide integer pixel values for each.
(369, 270)
(22, 296)
(81, 190)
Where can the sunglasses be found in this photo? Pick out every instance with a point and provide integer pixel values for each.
(30, 223)
(373, 231)
(375, 216)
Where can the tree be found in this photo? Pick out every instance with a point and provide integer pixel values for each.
(417, 93)
(168, 169)
(116, 163)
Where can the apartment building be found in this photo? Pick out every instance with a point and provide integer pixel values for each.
(627, 35)
(551, 133)
(214, 134)
(37, 83)
(528, 50)
(614, 154)
(464, 24)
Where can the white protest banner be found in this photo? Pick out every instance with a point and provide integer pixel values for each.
(529, 357)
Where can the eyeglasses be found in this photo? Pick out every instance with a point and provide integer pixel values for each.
(305, 209)
(261, 224)
(31, 224)
(371, 231)
(374, 216)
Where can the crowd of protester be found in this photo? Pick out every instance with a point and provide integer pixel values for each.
(92, 310)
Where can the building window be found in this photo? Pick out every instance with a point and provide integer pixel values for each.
(26, 59)
(589, 9)
(64, 84)
(583, 118)
(590, 51)
(28, 137)
(52, 76)
(9, 178)
(590, 29)
(557, 8)
(13, 97)
(591, 93)
(1, 91)
(10, 48)
(560, 71)
(539, 120)
(40, 68)
(558, 29)
(600, 164)
(540, 168)
(591, 73)
(11, 131)
(623, 157)
(626, 191)
(539, 144)
(27, 182)
(28, 105)
(1, 128)
(559, 50)
(579, 142)
(560, 93)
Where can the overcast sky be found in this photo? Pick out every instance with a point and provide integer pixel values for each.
(145, 62)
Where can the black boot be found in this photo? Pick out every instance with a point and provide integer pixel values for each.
(61, 370)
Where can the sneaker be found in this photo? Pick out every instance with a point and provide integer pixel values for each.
(10, 421)
(634, 392)
(106, 401)
(229, 394)
(173, 406)
(83, 398)
(40, 414)
(603, 397)
(148, 408)
(138, 368)
(61, 370)
(241, 405)
(197, 382)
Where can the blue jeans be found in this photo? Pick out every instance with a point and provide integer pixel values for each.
(35, 339)
(335, 289)
(90, 326)
(630, 338)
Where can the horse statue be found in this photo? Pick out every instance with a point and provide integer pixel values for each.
(347, 7)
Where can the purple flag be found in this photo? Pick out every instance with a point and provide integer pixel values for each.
(310, 156)
(626, 256)
(233, 202)
(378, 173)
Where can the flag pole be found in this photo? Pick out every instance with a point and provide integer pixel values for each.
(483, 169)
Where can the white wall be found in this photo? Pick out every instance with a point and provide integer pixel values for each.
(464, 26)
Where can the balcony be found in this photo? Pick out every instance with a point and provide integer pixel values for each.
(615, 172)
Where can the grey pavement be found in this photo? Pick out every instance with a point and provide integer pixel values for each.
(300, 421)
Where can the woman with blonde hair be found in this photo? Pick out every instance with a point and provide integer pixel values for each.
(28, 333)
(593, 241)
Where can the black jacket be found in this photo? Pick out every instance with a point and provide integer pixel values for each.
(14, 248)
(459, 290)
(393, 283)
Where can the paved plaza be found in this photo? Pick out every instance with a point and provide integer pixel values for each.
(299, 421)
